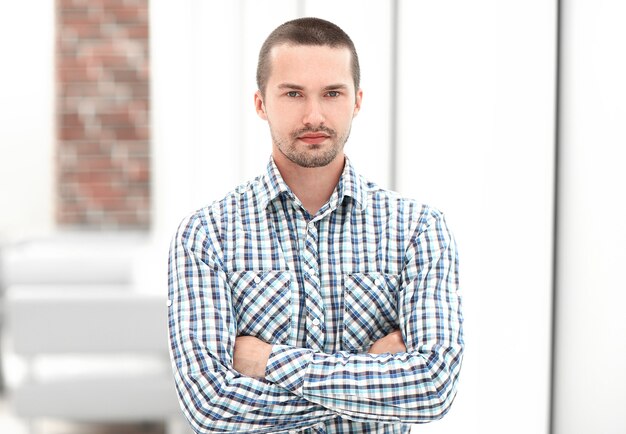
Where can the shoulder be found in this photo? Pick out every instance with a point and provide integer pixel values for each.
(244, 200)
(416, 214)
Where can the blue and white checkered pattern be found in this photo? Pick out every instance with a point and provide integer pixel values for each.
(321, 289)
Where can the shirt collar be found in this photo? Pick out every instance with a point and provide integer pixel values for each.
(350, 184)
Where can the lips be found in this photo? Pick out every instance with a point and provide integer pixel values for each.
(313, 138)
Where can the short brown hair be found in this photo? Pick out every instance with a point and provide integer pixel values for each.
(305, 31)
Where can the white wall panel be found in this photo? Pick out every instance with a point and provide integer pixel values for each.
(476, 115)
(590, 382)
(195, 93)
(27, 133)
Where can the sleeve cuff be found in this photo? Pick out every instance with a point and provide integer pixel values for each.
(287, 367)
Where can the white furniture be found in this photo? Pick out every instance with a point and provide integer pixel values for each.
(72, 258)
(93, 354)
(84, 343)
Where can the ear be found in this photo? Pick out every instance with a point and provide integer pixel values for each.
(259, 105)
(357, 102)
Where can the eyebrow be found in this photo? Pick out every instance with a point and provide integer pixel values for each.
(299, 87)
(290, 86)
(336, 86)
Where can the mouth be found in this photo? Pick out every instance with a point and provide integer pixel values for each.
(313, 138)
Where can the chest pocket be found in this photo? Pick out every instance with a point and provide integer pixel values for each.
(262, 304)
(370, 309)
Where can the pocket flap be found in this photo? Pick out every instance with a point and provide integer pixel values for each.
(262, 304)
(370, 308)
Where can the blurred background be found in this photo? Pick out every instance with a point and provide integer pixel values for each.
(120, 117)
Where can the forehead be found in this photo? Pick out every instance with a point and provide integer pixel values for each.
(304, 64)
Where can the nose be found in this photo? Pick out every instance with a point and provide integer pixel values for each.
(313, 113)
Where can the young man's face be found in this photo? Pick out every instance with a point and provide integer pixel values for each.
(309, 103)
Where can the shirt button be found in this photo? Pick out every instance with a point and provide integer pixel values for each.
(316, 322)
(257, 279)
(377, 282)
(169, 303)
(311, 225)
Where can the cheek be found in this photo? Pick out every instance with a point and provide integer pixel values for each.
(281, 123)
(344, 118)
(341, 112)
(282, 113)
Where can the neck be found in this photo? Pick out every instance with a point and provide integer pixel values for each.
(312, 185)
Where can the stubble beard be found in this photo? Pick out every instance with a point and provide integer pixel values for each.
(313, 155)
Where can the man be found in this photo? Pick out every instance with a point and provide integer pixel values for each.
(310, 300)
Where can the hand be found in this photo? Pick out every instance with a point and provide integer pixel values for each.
(392, 343)
(250, 356)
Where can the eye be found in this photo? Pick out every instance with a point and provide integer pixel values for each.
(333, 93)
(293, 94)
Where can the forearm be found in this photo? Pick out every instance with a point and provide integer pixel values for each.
(237, 409)
(216, 398)
(408, 387)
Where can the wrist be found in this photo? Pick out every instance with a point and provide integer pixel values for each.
(287, 367)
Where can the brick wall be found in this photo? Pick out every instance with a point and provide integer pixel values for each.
(103, 135)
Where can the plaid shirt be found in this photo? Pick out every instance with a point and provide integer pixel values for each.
(321, 289)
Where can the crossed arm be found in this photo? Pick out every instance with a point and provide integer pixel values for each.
(251, 354)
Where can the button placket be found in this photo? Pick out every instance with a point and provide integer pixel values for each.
(312, 289)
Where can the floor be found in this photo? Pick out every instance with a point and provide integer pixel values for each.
(9, 424)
